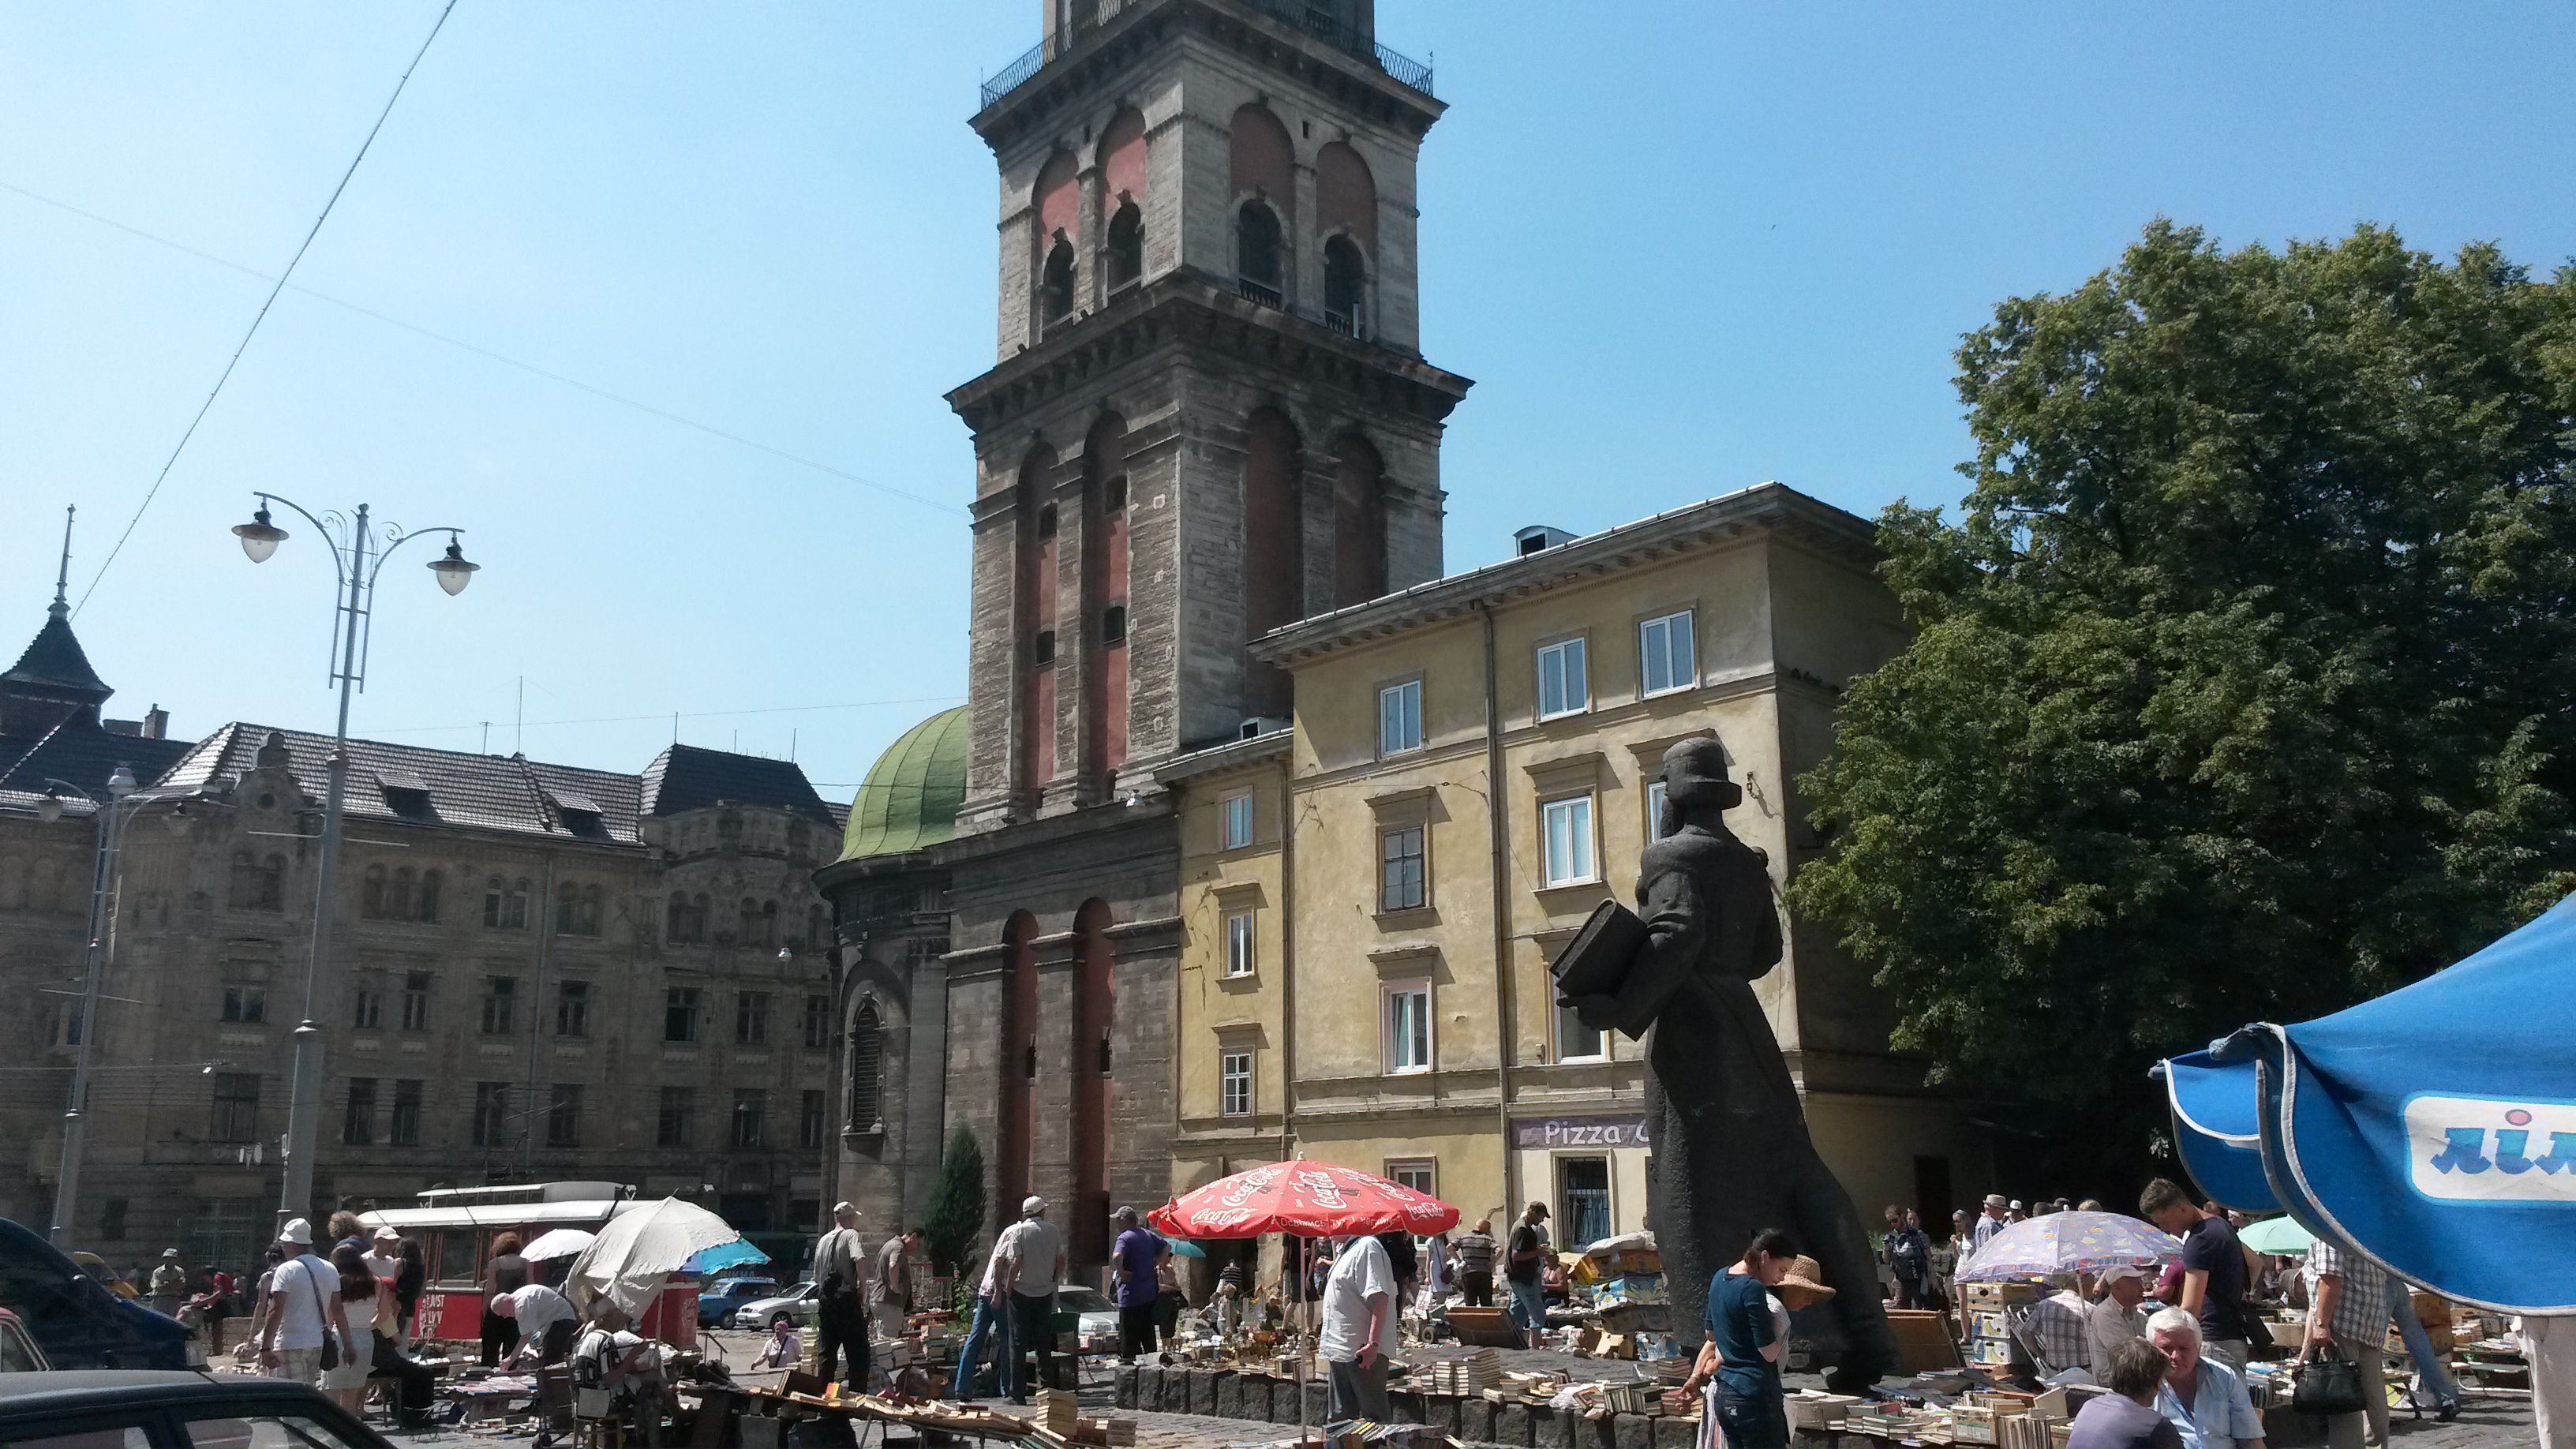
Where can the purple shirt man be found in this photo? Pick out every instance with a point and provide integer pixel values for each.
(1136, 1251)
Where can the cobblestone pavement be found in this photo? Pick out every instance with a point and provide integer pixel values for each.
(2485, 1423)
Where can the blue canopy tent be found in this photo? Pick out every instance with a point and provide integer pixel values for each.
(2433, 1129)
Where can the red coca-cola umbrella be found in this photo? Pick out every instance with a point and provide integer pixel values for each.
(1309, 1199)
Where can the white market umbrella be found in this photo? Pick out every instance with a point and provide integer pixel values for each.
(628, 1260)
(557, 1243)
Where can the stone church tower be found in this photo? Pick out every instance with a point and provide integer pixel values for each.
(1208, 417)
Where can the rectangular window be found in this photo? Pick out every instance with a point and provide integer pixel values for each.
(1563, 687)
(500, 1005)
(563, 1116)
(1654, 811)
(818, 1022)
(680, 1014)
(1583, 1198)
(236, 1107)
(1238, 943)
(1400, 879)
(1414, 1172)
(1666, 660)
(111, 1219)
(1238, 821)
(358, 1124)
(750, 1109)
(809, 1120)
(415, 1002)
(671, 1128)
(572, 1009)
(1576, 1042)
(1399, 717)
(1565, 851)
(751, 1018)
(404, 1130)
(248, 1004)
(367, 1007)
(491, 1114)
(1234, 1083)
(1408, 1027)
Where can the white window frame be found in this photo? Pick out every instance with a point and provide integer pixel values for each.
(1654, 810)
(1650, 648)
(1234, 821)
(1395, 1049)
(1406, 695)
(1234, 1069)
(1586, 838)
(1565, 1020)
(1427, 1168)
(1573, 679)
(1242, 953)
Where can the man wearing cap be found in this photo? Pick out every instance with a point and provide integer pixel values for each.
(840, 1316)
(1134, 1258)
(1992, 1221)
(384, 1254)
(169, 1283)
(303, 1308)
(2114, 1320)
(1031, 1254)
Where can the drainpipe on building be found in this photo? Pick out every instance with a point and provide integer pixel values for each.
(545, 924)
(1287, 953)
(1506, 1033)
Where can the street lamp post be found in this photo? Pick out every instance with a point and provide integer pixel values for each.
(357, 557)
(102, 871)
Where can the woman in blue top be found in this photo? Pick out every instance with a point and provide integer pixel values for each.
(1740, 1361)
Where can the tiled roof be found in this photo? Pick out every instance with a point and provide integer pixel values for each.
(685, 777)
(484, 792)
(84, 755)
(55, 659)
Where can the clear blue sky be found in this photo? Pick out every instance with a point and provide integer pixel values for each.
(1681, 246)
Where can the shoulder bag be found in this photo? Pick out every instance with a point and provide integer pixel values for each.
(322, 1310)
(2328, 1383)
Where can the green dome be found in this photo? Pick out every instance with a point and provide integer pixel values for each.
(911, 795)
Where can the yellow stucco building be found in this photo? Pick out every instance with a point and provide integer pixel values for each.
(1468, 774)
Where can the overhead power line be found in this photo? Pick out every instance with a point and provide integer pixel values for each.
(315, 230)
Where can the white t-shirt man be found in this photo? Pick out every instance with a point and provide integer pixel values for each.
(299, 1292)
(1036, 1247)
(1360, 1271)
(539, 1308)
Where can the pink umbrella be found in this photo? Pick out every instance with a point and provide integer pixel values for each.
(1310, 1199)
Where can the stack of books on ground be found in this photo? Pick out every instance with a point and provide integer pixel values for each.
(1470, 1375)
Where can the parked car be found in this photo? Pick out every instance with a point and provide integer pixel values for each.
(1095, 1321)
(78, 1322)
(96, 1406)
(718, 1300)
(18, 1352)
(799, 1303)
(108, 1278)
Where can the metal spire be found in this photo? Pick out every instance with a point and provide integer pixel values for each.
(62, 608)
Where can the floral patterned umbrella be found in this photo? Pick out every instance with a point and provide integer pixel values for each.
(2069, 1242)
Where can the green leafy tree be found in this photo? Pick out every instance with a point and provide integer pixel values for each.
(2245, 686)
(956, 1214)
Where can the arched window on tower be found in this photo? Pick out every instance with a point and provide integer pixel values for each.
(371, 893)
(1055, 291)
(428, 901)
(1256, 255)
(867, 1070)
(1345, 286)
(1126, 248)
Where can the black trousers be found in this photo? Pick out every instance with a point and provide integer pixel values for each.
(500, 1336)
(412, 1378)
(1032, 1333)
(841, 1328)
(1477, 1284)
(1136, 1329)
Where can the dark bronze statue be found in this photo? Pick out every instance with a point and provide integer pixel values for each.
(1732, 1155)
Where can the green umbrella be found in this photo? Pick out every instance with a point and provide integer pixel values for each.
(2277, 1235)
(1182, 1247)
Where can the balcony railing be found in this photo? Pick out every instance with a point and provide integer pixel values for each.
(1261, 292)
(1314, 20)
(1346, 323)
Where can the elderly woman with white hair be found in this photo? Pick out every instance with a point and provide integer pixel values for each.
(2202, 1397)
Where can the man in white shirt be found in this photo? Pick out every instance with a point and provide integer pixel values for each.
(303, 1306)
(384, 1254)
(2115, 1320)
(840, 1318)
(546, 1322)
(1031, 1264)
(1358, 1319)
(1992, 1220)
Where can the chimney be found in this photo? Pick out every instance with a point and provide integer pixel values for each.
(156, 723)
(1536, 537)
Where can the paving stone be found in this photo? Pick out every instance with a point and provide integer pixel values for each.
(1631, 1431)
(1512, 1423)
(1671, 1433)
(1476, 1420)
(1123, 1386)
(1555, 1428)
(1203, 1393)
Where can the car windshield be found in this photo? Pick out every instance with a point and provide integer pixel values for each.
(1082, 1300)
(748, 1287)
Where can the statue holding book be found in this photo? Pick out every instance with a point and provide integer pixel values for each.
(1732, 1155)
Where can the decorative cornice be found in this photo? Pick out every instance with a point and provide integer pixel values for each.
(1185, 308)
